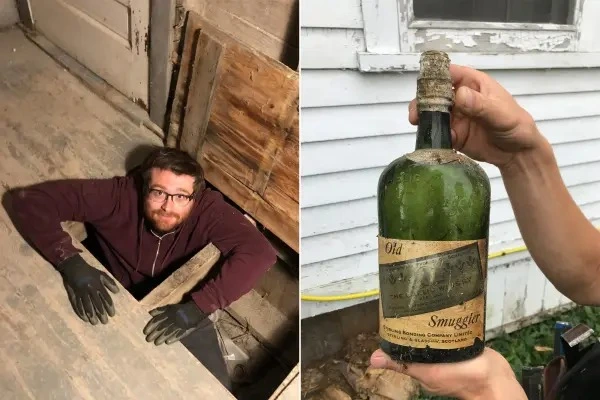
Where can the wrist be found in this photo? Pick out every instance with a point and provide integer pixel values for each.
(194, 310)
(69, 263)
(537, 157)
(504, 387)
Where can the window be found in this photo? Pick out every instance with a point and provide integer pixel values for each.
(527, 11)
(486, 34)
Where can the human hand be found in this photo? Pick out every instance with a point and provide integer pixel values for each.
(173, 322)
(86, 288)
(487, 124)
(488, 376)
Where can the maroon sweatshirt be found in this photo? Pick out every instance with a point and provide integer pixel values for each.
(133, 253)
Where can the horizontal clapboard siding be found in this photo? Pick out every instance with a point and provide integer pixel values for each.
(353, 124)
(331, 14)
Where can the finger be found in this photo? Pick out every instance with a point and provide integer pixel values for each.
(157, 311)
(109, 283)
(381, 360)
(413, 114)
(81, 310)
(154, 323)
(167, 333)
(99, 307)
(462, 75)
(74, 303)
(88, 306)
(108, 303)
(180, 334)
(155, 333)
(473, 104)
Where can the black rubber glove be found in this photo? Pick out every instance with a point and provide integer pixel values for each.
(86, 287)
(173, 322)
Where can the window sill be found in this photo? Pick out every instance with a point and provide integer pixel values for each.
(407, 62)
(441, 24)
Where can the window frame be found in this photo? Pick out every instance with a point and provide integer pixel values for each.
(394, 39)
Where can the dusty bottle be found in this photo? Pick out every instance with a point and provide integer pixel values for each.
(433, 210)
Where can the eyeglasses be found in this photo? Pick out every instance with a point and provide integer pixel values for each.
(159, 196)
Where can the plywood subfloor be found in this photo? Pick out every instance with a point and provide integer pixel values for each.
(52, 127)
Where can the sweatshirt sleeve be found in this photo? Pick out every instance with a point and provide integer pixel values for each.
(39, 209)
(247, 256)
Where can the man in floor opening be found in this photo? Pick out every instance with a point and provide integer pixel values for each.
(142, 227)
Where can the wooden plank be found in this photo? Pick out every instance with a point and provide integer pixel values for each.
(162, 19)
(25, 13)
(205, 78)
(183, 81)
(183, 280)
(254, 112)
(290, 387)
(275, 17)
(267, 323)
(277, 220)
(270, 27)
(283, 181)
(54, 128)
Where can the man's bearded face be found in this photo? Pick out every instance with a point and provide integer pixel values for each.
(166, 212)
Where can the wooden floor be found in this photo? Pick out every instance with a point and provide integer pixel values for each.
(52, 127)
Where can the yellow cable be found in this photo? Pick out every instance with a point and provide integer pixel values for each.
(375, 292)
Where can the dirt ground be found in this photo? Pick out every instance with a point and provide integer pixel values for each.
(348, 375)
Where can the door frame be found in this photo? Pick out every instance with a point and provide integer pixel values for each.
(162, 20)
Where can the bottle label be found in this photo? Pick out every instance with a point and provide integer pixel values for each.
(432, 292)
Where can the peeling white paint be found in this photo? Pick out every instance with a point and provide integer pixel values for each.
(495, 40)
(530, 41)
(466, 38)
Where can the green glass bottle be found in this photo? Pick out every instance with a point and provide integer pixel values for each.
(433, 210)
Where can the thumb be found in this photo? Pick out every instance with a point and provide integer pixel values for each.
(379, 359)
(109, 283)
(472, 103)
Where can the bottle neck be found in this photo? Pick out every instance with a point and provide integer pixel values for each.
(434, 130)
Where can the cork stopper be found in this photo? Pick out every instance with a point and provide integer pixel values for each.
(434, 84)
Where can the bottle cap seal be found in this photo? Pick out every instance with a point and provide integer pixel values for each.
(434, 84)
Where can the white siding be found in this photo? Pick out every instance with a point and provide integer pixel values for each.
(353, 124)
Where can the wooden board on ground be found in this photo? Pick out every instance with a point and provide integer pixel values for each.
(183, 280)
(270, 325)
(53, 127)
(290, 387)
(249, 150)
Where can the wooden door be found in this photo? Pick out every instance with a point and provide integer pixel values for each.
(109, 37)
